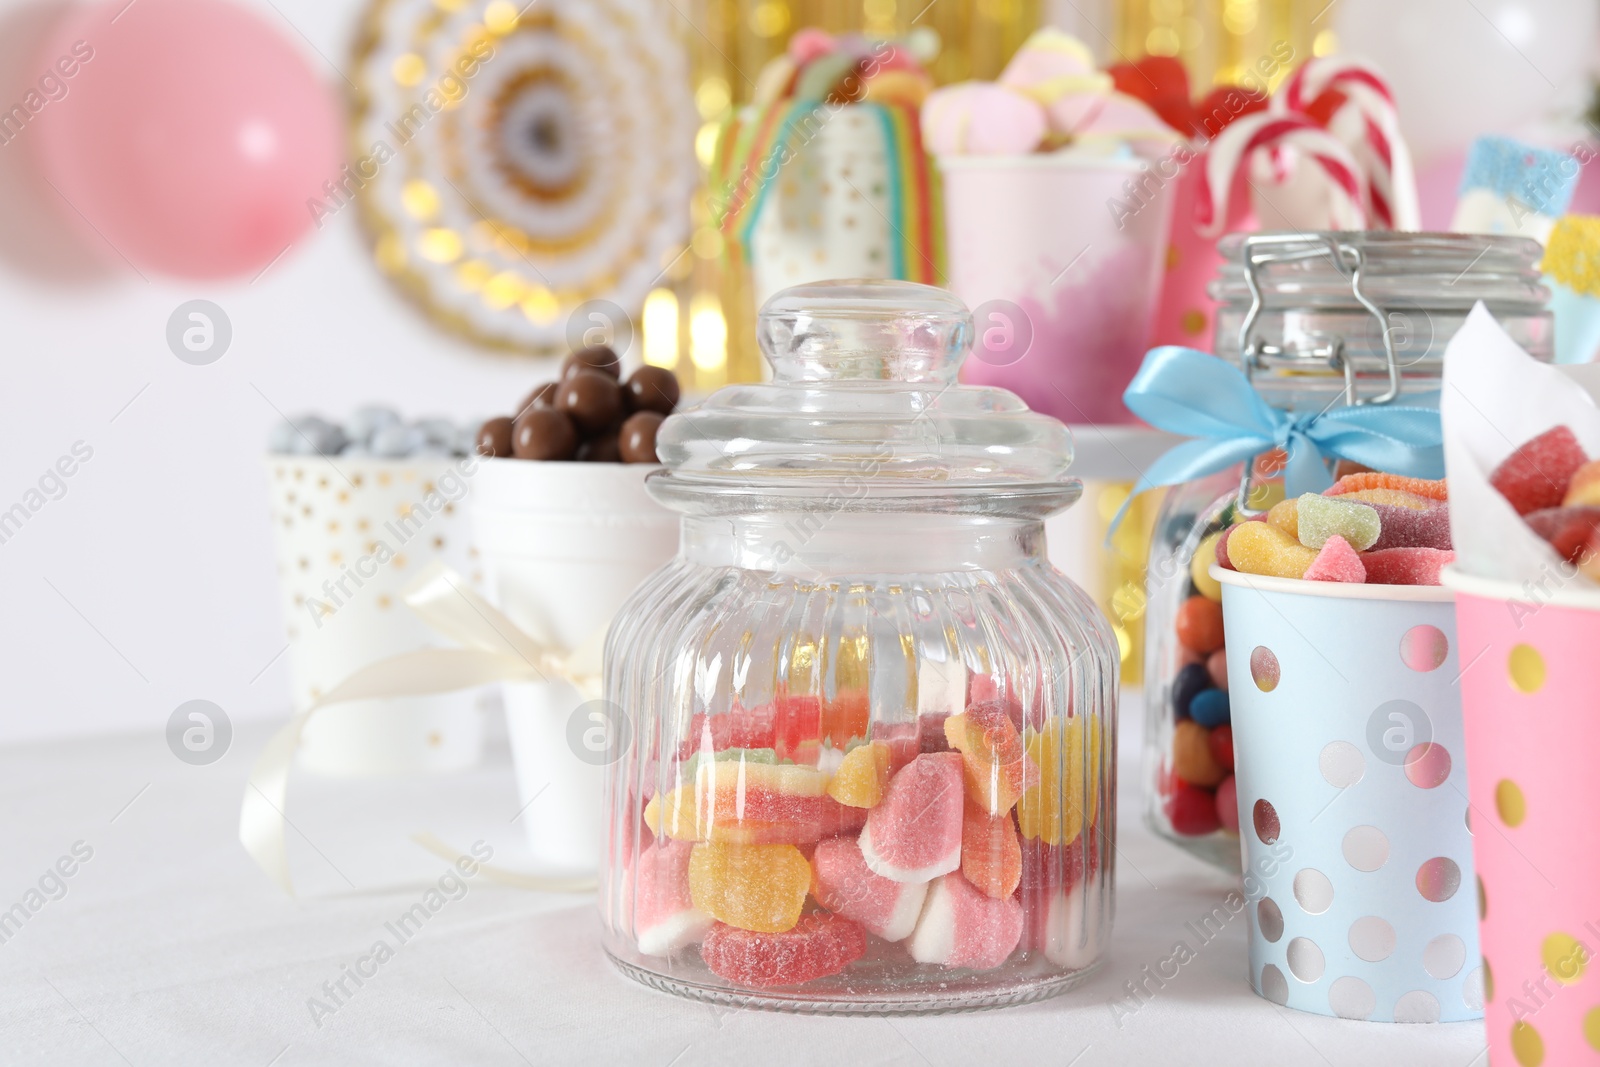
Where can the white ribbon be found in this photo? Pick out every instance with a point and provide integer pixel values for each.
(494, 649)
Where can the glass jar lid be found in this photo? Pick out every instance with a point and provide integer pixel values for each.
(865, 412)
(1369, 313)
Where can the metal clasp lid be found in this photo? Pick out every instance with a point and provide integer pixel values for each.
(1254, 353)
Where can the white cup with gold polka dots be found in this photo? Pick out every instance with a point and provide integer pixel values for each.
(352, 533)
(563, 545)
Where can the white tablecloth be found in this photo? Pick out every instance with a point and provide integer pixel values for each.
(168, 946)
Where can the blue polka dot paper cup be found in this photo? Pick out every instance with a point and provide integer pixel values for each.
(1353, 810)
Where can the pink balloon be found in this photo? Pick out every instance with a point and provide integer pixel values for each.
(189, 133)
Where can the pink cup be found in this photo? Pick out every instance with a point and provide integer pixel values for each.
(1063, 282)
(1530, 692)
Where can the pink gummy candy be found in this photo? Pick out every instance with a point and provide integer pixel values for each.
(961, 927)
(1569, 530)
(914, 834)
(1412, 528)
(930, 732)
(1406, 566)
(844, 884)
(1535, 476)
(1336, 562)
(817, 946)
(664, 915)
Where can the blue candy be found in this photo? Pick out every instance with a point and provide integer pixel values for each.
(1209, 708)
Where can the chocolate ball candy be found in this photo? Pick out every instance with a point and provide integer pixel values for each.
(637, 437)
(543, 433)
(603, 449)
(597, 357)
(542, 397)
(652, 389)
(592, 400)
(494, 437)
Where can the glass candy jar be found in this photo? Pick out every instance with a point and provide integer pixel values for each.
(1314, 320)
(871, 728)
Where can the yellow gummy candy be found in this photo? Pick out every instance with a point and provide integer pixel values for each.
(1052, 807)
(860, 779)
(1200, 568)
(1285, 515)
(753, 887)
(1262, 548)
(1584, 488)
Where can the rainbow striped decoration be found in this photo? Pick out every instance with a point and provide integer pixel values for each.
(755, 146)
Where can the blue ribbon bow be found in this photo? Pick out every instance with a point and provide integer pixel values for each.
(1197, 395)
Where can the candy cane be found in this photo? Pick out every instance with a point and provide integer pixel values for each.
(1348, 187)
(1369, 125)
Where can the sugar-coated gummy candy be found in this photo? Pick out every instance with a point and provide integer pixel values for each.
(1570, 530)
(1260, 548)
(1322, 517)
(1336, 561)
(1205, 554)
(1228, 804)
(1191, 756)
(993, 760)
(914, 834)
(1190, 679)
(664, 914)
(1221, 744)
(736, 802)
(1210, 708)
(1584, 488)
(753, 887)
(961, 927)
(1220, 550)
(991, 855)
(819, 945)
(690, 767)
(1394, 498)
(1285, 515)
(844, 884)
(930, 732)
(738, 728)
(1191, 810)
(1068, 758)
(1433, 490)
(860, 780)
(904, 740)
(1217, 668)
(1199, 625)
(1406, 566)
(1070, 935)
(1535, 476)
(1405, 527)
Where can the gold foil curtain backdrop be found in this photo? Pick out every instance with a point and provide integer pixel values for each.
(1219, 40)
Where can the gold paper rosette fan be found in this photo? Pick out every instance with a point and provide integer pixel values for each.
(519, 164)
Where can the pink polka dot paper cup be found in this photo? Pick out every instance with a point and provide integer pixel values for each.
(1351, 777)
(1530, 692)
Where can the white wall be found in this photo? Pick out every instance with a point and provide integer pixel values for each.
(162, 541)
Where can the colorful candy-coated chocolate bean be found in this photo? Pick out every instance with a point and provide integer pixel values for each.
(753, 887)
(1535, 476)
(1322, 517)
(1336, 562)
(1261, 548)
(1191, 756)
(1189, 680)
(1191, 811)
(1434, 490)
(1205, 554)
(1209, 708)
(1221, 744)
(1199, 625)
(1228, 804)
(1405, 566)
(1217, 668)
(817, 946)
